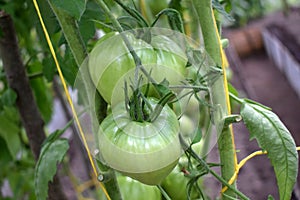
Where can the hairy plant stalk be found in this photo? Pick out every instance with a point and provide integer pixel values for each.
(18, 81)
(71, 32)
(219, 98)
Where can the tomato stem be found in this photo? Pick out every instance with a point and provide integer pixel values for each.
(235, 98)
(189, 87)
(158, 108)
(163, 192)
(137, 15)
(192, 153)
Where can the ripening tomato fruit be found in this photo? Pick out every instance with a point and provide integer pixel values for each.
(110, 61)
(145, 151)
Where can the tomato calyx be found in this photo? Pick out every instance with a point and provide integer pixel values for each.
(140, 109)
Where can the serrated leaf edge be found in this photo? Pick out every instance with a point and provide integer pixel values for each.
(43, 152)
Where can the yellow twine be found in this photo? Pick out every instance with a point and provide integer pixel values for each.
(243, 162)
(68, 94)
(240, 165)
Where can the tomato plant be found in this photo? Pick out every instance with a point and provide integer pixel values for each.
(162, 57)
(141, 137)
(145, 151)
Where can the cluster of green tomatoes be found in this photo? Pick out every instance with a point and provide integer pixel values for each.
(140, 135)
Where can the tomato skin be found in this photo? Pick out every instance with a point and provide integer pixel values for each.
(110, 60)
(134, 190)
(187, 126)
(142, 150)
(175, 184)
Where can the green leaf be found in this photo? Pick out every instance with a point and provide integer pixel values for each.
(9, 130)
(69, 67)
(176, 4)
(162, 87)
(134, 13)
(232, 90)
(52, 153)
(221, 10)
(227, 6)
(274, 137)
(5, 155)
(87, 29)
(198, 136)
(256, 103)
(49, 68)
(94, 12)
(74, 7)
(174, 19)
(42, 92)
(9, 97)
(21, 181)
(50, 22)
(270, 197)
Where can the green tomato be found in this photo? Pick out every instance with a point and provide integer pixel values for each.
(175, 185)
(145, 151)
(134, 190)
(188, 128)
(110, 63)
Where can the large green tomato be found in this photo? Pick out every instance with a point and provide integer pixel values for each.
(110, 63)
(145, 151)
(134, 190)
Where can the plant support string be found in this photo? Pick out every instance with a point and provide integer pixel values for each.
(67, 94)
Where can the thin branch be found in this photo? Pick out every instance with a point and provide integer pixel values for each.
(18, 81)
